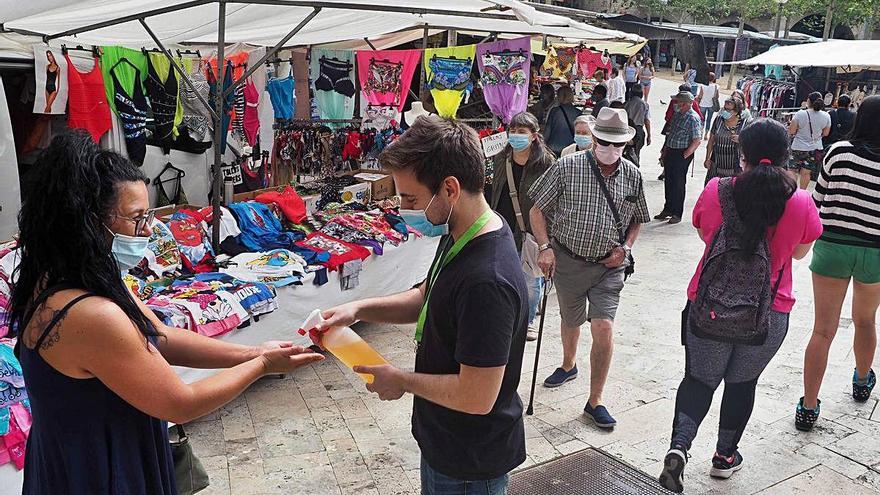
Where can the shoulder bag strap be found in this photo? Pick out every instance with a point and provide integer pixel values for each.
(621, 229)
(514, 196)
(567, 121)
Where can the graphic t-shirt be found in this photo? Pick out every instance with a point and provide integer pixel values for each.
(340, 251)
(277, 268)
(477, 316)
(799, 224)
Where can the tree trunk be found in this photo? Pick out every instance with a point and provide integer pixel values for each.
(829, 14)
(735, 68)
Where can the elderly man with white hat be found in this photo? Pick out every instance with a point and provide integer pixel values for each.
(682, 140)
(599, 204)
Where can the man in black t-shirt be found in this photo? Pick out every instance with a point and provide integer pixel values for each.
(470, 315)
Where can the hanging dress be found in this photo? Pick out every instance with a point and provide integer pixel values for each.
(226, 112)
(87, 102)
(196, 117)
(251, 120)
(132, 110)
(163, 101)
(505, 67)
(282, 94)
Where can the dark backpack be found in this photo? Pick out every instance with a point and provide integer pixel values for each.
(734, 297)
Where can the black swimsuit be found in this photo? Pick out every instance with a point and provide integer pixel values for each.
(132, 111)
(335, 76)
(163, 99)
(51, 77)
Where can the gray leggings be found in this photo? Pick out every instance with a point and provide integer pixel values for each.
(739, 365)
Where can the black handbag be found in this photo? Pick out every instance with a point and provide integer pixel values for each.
(621, 229)
(189, 473)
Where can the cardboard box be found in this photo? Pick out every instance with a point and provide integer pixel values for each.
(381, 183)
(165, 212)
(359, 192)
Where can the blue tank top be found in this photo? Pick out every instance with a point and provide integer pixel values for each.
(85, 439)
(281, 93)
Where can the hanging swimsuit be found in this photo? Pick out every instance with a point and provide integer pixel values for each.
(281, 93)
(195, 116)
(162, 198)
(565, 58)
(504, 68)
(450, 73)
(51, 77)
(238, 119)
(384, 77)
(87, 101)
(251, 121)
(132, 111)
(226, 113)
(163, 100)
(335, 76)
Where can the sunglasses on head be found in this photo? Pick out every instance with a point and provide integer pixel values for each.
(602, 142)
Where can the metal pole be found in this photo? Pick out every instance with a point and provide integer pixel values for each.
(530, 410)
(272, 51)
(422, 74)
(219, 131)
(176, 66)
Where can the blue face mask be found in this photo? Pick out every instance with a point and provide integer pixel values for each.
(518, 142)
(128, 250)
(418, 219)
(583, 141)
(725, 114)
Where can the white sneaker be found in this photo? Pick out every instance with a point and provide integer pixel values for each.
(531, 335)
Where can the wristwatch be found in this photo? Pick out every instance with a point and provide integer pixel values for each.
(627, 249)
(543, 247)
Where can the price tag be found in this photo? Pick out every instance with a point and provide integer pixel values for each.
(494, 144)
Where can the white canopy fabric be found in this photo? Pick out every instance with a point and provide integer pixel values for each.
(267, 24)
(847, 55)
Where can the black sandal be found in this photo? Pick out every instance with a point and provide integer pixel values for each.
(805, 419)
(862, 392)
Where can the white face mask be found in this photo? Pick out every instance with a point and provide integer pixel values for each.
(128, 250)
(418, 219)
(607, 154)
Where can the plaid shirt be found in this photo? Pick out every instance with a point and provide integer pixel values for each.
(583, 221)
(683, 129)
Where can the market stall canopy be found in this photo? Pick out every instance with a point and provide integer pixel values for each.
(265, 22)
(848, 55)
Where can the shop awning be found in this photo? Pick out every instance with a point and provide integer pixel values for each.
(848, 55)
(265, 22)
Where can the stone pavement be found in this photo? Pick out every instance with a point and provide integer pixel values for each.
(320, 432)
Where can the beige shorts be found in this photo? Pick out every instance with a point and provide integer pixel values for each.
(578, 282)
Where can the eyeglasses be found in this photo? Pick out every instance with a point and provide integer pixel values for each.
(141, 221)
(602, 142)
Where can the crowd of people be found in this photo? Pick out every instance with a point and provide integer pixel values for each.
(571, 221)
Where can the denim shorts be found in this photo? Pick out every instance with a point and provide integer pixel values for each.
(435, 483)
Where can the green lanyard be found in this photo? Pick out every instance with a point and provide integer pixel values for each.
(443, 260)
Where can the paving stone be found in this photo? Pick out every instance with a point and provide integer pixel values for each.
(832, 459)
(819, 479)
(392, 481)
(353, 408)
(244, 458)
(206, 438)
(236, 419)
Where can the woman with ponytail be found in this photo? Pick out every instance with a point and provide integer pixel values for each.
(807, 128)
(97, 362)
(770, 207)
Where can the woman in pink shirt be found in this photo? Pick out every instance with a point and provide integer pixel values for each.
(769, 206)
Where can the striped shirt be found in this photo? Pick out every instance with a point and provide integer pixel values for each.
(848, 191)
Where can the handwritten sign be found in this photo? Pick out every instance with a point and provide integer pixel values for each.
(494, 144)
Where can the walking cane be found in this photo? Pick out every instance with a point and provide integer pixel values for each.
(548, 285)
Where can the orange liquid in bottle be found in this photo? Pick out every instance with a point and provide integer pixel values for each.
(352, 350)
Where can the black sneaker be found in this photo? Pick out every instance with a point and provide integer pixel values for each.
(862, 391)
(672, 477)
(662, 215)
(805, 419)
(724, 467)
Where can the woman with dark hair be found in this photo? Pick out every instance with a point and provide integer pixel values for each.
(559, 128)
(546, 101)
(762, 205)
(842, 120)
(722, 151)
(96, 361)
(53, 80)
(808, 127)
(848, 195)
(525, 158)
